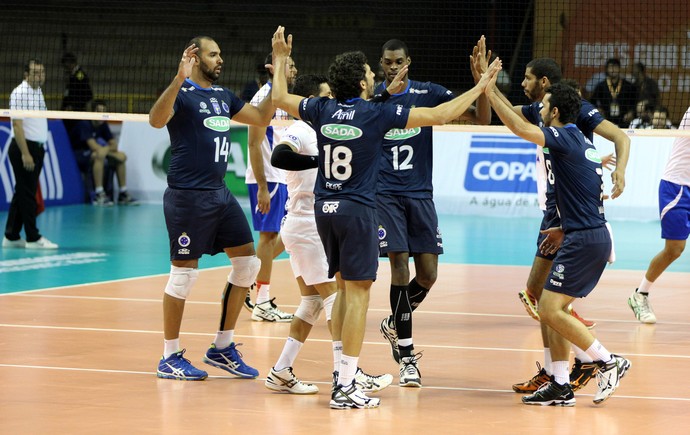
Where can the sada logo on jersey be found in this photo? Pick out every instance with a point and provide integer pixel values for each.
(402, 133)
(340, 132)
(501, 164)
(217, 123)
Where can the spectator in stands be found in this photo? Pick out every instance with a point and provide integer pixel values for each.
(615, 97)
(26, 154)
(95, 147)
(644, 110)
(660, 118)
(647, 87)
(78, 91)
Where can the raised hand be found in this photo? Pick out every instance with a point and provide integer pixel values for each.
(488, 79)
(479, 59)
(184, 70)
(281, 46)
(396, 86)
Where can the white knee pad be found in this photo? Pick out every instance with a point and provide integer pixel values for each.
(309, 309)
(328, 305)
(244, 270)
(181, 281)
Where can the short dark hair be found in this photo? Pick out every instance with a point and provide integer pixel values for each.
(640, 66)
(613, 61)
(572, 83)
(269, 61)
(345, 73)
(30, 62)
(197, 41)
(546, 67)
(309, 84)
(97, 102)
(395, 44)
(566, 99)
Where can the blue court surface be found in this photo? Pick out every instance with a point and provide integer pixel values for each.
(103, 244)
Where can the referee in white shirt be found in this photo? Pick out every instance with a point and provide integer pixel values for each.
(26, 154)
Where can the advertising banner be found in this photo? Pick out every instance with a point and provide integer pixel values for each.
(495, 175)
(148, 159)
(61, 181)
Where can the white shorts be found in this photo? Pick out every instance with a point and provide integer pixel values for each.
(307, 256)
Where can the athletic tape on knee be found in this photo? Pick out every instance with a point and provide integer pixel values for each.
(309, 308)
(328, 305)
(244, 270)
(181, 281)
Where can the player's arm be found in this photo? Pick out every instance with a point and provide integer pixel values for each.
(259, 116)
(481, 114)
(255, 137)
(281, 50)
(285, 156)
(450, 110)
(511, 120)
(621, 142)
(162, 109)
(20, 138)
(479, 65)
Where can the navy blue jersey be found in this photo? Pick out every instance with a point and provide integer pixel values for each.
(574, 167)
(407, 158)
(350, 140)
(84, 130)
(200, 136)
(587, 120)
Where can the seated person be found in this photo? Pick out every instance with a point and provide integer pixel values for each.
(644, 110)
(95, 147)
(660, 119)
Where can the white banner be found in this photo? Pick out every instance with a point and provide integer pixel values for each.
(494, 175)
(481, 174)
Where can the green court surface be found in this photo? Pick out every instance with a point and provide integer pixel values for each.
(103, 244)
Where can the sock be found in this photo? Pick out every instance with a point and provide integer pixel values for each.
(560, 372)
(123, 189)
(224, 338)
(289, 354)
(645, 286)
(405, 349)
(262, 292)
(337, 355)
(170, 347)
(581, 355)
(99, 190)
(348, 368)
(598, 352)
(547, 361)
(417, 293)
(402, 311)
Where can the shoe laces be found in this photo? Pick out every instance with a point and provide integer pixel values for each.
(410, 363)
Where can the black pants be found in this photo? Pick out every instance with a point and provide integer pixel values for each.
(22, 211)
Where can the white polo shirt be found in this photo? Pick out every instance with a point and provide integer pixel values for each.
(24, 97)
(678, 166)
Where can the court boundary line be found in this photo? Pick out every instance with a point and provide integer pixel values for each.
(316, 340)
(426, 387)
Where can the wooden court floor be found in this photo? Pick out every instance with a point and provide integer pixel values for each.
(81, 360)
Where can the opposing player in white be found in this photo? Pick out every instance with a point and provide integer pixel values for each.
(297, 153)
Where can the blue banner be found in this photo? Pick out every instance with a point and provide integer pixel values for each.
(61, 181)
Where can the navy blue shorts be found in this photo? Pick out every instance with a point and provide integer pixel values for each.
(203, 222)
(674, 210)
(580, 262)
(408, 225)
(550, 220)
(270, 222)
(348, 232)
